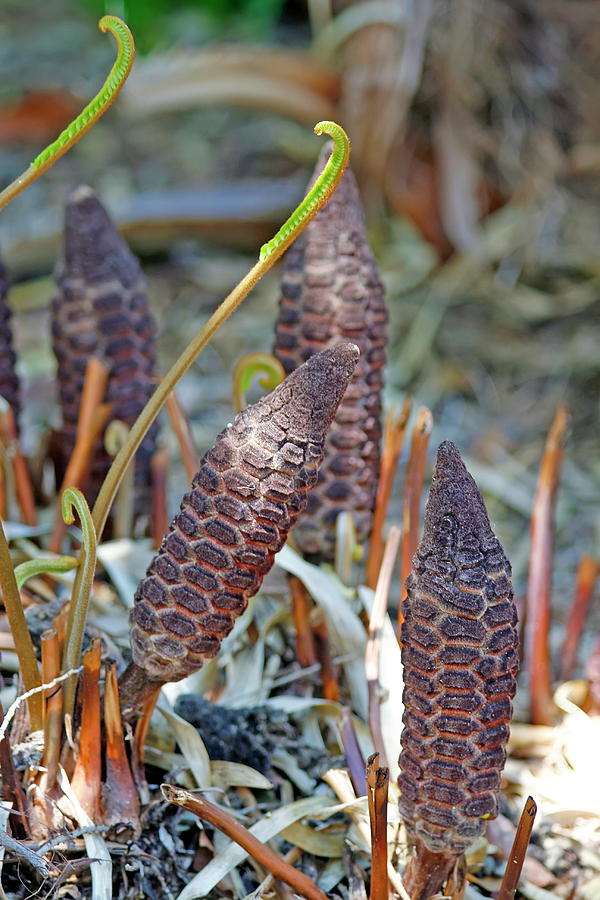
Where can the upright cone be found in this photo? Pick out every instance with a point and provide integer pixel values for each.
(101, 309)
(9, 382)
(460, 657)
(331, 291)
(248, 493)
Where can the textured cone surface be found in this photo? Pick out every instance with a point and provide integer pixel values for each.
(101, 309)
(460, 656)
(249, 491)
(330, 291)
(9, 383)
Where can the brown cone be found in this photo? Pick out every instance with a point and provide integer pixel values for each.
(9, 383)
(331, 291)
(250, 490)
(101, 309)
(460, 657)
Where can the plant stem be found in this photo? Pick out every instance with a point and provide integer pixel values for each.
(516, 858)
(30, 672)
(263, 854)
(82, 587)
(394, 431)
(539, 581)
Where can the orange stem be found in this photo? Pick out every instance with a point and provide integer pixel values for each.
(160, 516)
(305, 646)
(263, 854)
(181, 428)
(584, 588)
(413, 492)
(394, 431)
(539, 583)
(512, 873)
(87, 777)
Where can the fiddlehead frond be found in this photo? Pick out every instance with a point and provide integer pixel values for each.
(249, 366)
(319, 194)
(90, 114)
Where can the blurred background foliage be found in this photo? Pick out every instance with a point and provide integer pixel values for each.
(154, 22)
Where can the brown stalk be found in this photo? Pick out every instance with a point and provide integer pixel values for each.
(373, 650)
(331, 688)
(23, 488)
(512, 873)
(120, 804)
(53, 702)
(539, 583)
(181, 428)
(87, 776)
(77, 470)
(394, 431)
(592, 671)
(370, 777)
(263, 854)
(378, 779)
(137, 747)
(301, 604)
(353, 754)
(3, 462)
(29, 670)
(160, 516)
(587, 573)
(413, 491)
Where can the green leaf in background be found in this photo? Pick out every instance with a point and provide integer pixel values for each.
(152, 20)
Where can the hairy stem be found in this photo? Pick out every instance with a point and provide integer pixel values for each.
(88, 116)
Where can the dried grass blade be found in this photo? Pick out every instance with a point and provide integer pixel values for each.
(95, 846)
(372, 654)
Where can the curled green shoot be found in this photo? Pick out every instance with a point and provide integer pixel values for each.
(320, 192)
(29, 668)
(88, 116)
(51, 565)
(334, 169)
(269, 369)
(73, 502)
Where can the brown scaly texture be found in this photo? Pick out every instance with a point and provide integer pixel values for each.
(330, 291)
(101, 309)
(460, 656)
(249, 491)
(9, 383)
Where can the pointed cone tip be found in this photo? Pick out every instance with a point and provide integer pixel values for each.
(454, 491)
